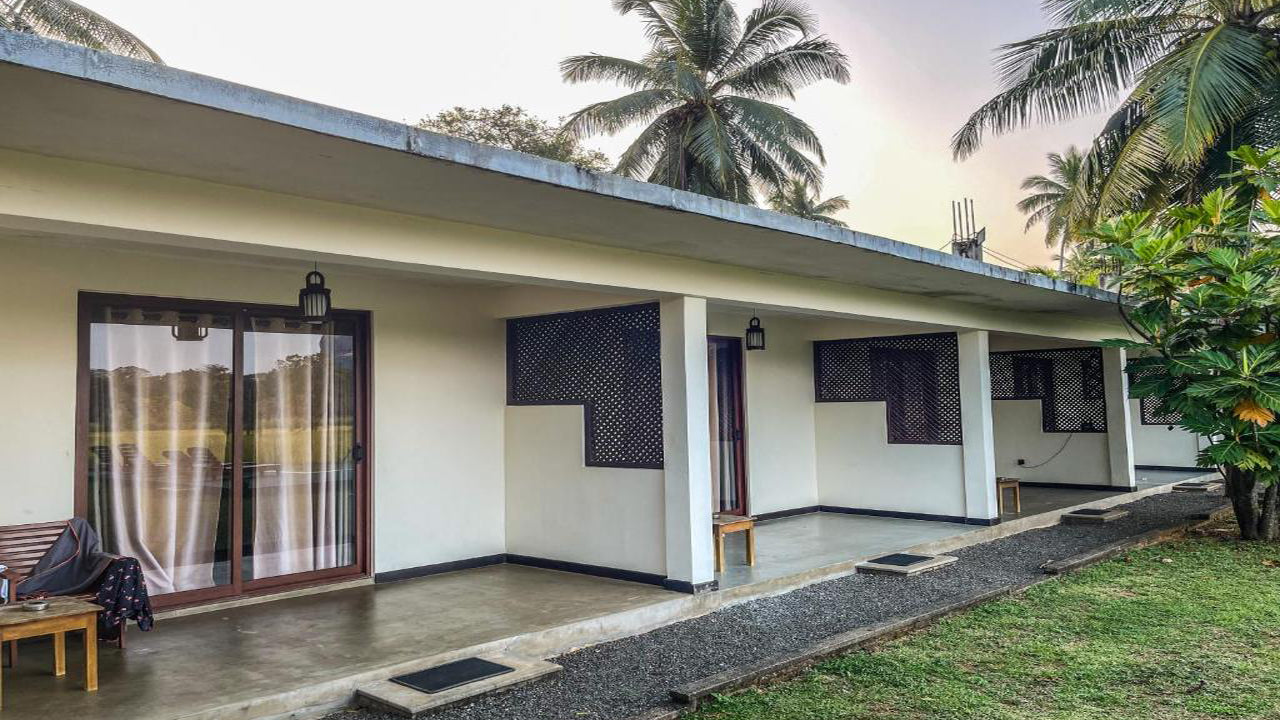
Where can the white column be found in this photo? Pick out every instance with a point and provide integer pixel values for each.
(977, 427)
(1119, 422)
(686, 444)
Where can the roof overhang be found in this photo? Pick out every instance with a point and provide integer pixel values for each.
(67, 101)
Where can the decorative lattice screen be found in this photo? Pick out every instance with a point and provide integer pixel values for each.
(1067, 382)
(606, 360)
(916, 376)
(1149, 407)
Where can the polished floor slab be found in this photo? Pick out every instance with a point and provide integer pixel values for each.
(816, 540)
(219, 659)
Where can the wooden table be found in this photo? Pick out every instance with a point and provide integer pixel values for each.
(1009, 483)
(722, 525)
(63, 615)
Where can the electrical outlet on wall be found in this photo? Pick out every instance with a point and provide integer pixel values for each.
(1022, 461)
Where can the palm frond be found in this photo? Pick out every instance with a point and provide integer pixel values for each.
(1037, 202)
(639, 157)
(711, 144)
(1205, 87)
(782, 72)
(1071, 12)
(766, 118)
(1130, 153)
(613, 115)
(1067, 72)
(659, 28)
(593, 67)
(75, 23)
(767, 29)
(835, 203)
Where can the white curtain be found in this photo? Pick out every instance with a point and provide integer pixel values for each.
(155, 399)
(299, 468)
(724, 456)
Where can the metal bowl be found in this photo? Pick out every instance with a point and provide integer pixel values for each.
(35, 605)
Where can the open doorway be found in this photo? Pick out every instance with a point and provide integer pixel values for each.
(728, 419)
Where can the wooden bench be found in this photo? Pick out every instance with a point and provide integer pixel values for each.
(21, 547)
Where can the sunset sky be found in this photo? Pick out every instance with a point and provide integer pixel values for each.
(918, 69)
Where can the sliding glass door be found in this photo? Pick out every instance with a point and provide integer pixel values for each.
(300, 450)
(223, 445)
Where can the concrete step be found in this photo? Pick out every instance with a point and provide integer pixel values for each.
(397, 699)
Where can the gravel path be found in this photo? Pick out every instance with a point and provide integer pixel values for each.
(617, 679)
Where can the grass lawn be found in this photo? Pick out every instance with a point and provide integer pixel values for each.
(1189, 629)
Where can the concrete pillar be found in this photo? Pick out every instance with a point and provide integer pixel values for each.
(686, 445)
(1119, 421)
(977, 427)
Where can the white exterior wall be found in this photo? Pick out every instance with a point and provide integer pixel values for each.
(438, 388)
(1160, 444)
(856, 465)
(560, 509)
(1019, 434)
(858, 468)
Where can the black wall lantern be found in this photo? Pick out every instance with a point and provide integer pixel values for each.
(313, 299)
(755, 335)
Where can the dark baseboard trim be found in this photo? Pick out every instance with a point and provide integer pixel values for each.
(688, 588)
(436, 569)
(1173, 468)
(806, 510)
(1077, 486)
(546, 564)
(584, 569)
(987, 522)
(893, 514)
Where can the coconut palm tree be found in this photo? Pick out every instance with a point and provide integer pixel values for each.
(798, 198)
(1186, 81)
(703, 94)
(74, 23)
(1063, 201)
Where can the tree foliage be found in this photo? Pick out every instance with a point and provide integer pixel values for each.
(514, 128)
(74, 23)
(798, 198)
(1186, 81)
(703, 93)
(1202, 282)
(1062, 201)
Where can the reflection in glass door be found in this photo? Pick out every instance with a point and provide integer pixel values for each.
(300, 452)
(222, 445)
(159, 441)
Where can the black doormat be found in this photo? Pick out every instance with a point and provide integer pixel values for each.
(899, 559)
(1089, 511)
(451, 675)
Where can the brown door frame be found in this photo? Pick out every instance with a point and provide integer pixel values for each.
(87, 301)
(740, 399)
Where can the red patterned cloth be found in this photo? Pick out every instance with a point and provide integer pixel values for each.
(123, 597)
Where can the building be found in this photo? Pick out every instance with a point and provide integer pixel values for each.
(529, 363)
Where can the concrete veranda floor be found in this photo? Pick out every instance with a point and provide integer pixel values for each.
(272, 658)
(219, 661)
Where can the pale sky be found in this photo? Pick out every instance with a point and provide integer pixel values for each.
(918, 68)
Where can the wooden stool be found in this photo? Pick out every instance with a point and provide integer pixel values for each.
(722, 525)
(1009, 483)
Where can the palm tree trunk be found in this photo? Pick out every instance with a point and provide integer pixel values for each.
(1062, 254)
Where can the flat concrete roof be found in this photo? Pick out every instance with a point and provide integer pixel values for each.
(68, 101)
